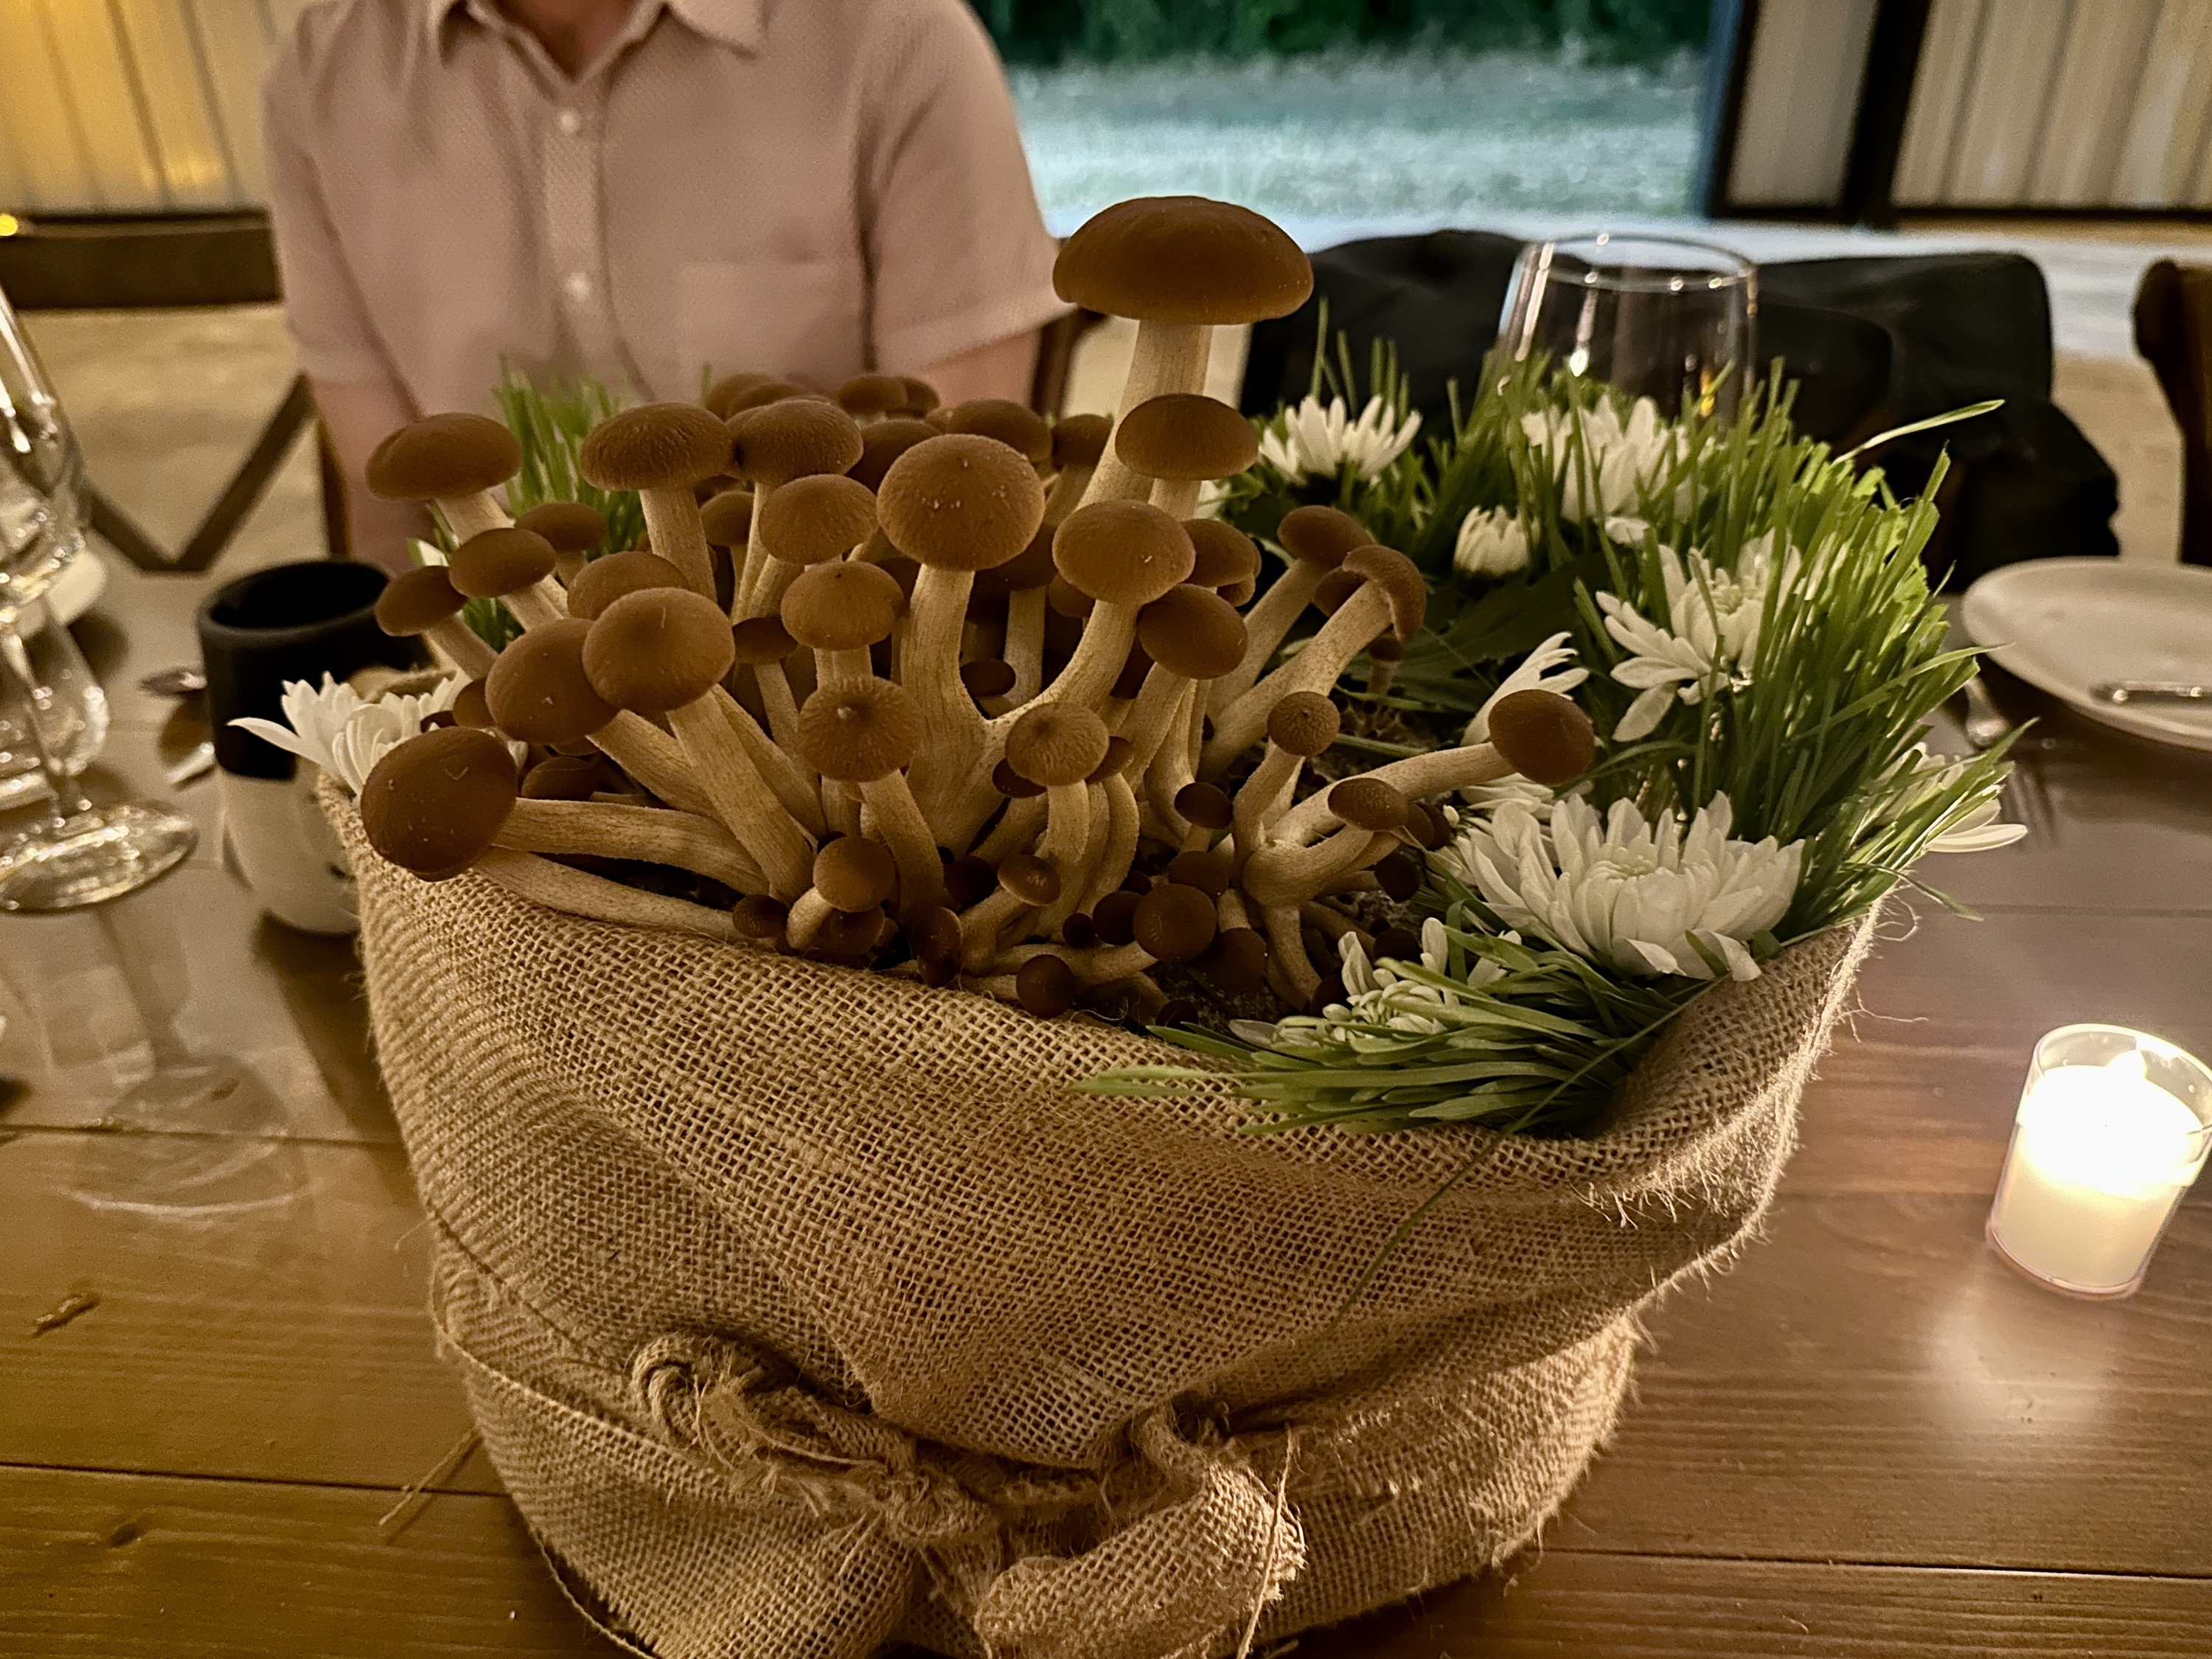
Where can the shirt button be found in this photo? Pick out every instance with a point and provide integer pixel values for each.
(579, 286)
(570, 122)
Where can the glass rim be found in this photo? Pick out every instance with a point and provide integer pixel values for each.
(2163, 1049)
(1733, 272)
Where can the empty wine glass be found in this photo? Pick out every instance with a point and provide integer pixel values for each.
(1658, 316)
(77, 853)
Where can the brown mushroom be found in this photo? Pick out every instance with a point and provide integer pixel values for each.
(808, 521)
(424, 603)
(727, 518)
(920, 396)
(1227, 558)
(1299, 727)
(868, 732)
(513, 565)
(1191, 634)
(720, 400)
(1121, 555)
(1046, 986)
(1546, 738)
(839, 610)
(853, 876)
(1180, 265)
(661, 450)
(664, 651)
(762, 643)
(648, 835)
(1026, 581)
(603, 581)
(1059, 747)
(572, 528)
(772, 445)
(1026, 882)
(454, 461)
(433, 803)
(869, 398)
(537, 690)
(1017, 426)
(1369, 811)
(1181, 440)
(1078, 443)
(884, 443)
(1318, 540)
(1391, 595)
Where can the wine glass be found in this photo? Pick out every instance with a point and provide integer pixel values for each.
(77, 853)
(1658, 316)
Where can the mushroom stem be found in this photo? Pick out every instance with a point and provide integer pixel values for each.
(983, 922)
(672, 523)
(1172, 769)
(1158, 712)
(1100, 655)
(1025, 644)
(1067, 492)
(651, 835)
(542, 601)
(1280, 873)
(1016, 832)
(1265, 624)
(776, 700)
(1111, 867)
(461, 646)
(1066, 831)
(945, 765)
(1314, 669)
(578, 893)
(1100, 964)
(472, 515)
(1418, 777)
(842, 667)
(841, 806)
(791, 787)
(1286, 949)
(1075, 880)
(1230, 911)
(741, 797)
(567, 567)
(651, 758)
(769, 588)
(1168, 357)
(1260, 799)
(900, 825)
(1334, 923)
(1177, 497)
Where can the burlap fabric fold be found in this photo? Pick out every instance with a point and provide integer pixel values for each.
(804, 1309)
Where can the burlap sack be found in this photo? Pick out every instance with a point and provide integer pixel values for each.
(804, 1309)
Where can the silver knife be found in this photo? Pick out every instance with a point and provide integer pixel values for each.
(2127, 691)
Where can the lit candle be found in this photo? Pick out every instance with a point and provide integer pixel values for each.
(2111, 1131)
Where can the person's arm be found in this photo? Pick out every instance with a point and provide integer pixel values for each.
(357, 417)
(961, 261)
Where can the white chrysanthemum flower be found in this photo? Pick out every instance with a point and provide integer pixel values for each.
(1711, 636)
(1643, 898)
(1626, 529)
(1974, 830)
(1492, 543)
(1378, 995)
(1316, 441)
(1618, 461)
(334, 726)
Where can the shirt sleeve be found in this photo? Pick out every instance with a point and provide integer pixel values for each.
(959, 254)
(324, 309)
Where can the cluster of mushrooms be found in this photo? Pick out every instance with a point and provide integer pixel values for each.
(952, 693)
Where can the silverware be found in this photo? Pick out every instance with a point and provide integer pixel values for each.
(1985, 724)
(182, 680)
(197, 764)
(2118, 692)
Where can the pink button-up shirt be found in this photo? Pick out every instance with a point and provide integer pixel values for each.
(805, 187)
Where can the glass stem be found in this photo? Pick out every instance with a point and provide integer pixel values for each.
(68, 799)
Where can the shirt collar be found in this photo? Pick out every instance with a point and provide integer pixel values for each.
(734, 22)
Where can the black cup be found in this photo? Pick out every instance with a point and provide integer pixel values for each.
(290, 622)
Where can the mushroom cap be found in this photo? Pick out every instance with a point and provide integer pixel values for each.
(603, 581)
(443, 456)
(497, 561)
(721, 397)
(1399, 578)
(1226, 556)
(417, 600)
(537, 690)
(961, 502)
(774, 443)
(1427, 826)
(1080, 440)
(1031, 567)
(1303, 723)
(765, 393)
(1182, 259)
(920, 396)
(565, 777)
(1212, 872)
(969, 880)
(1389, 648)
(658, 649)
(570, 526)
(1545, 738)
(933, 932)
(1119, 751)
(1174, 922)
(855, 873)
(760, 916)
(842, 607)
(1046, 986)
(1115, 916)
(1122, 552)
(872, 394)
(1012, 784)
(655, 446)
(1322, 535)
(727, 518)
(435, 802)
(813, 519)
(1368, 803)
(857, 731)
(760, 640)
(1192, 631)
(1236, 960)
(1206, 805)
(1017, 426)
(1240, 593)
(1030, 878)
(1066, 599)
(885, 443)
(472, 706)
(1400, 877)
(1056, 744)
(988, 677)
(1185, 434)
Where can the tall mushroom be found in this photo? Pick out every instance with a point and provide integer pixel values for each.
(838, 610)
(1121, 555)
(1180, 265)
(1299, 727)
(451, 461)
(1023, 580)
(808, 521)
(514, 566)
(1059, 748)
(1078, 442)
(1317, 539)
(572, 528)
(1184, 440)
(662, 451)
(664, 651)
(770, 445)
(868, 732)
(423, 602)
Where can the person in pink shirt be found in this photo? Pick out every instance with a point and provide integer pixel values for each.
(646, 192)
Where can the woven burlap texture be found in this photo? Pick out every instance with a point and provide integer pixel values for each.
(804, 1309)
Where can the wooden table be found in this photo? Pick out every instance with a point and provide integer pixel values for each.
(1871, 1438)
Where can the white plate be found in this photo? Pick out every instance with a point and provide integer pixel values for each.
(2064, 624)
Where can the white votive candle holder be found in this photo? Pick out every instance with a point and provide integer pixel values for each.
(2112, 1128)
